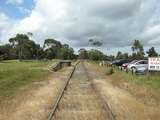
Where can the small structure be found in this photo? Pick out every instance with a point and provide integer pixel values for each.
(65, 63)
(61, 64)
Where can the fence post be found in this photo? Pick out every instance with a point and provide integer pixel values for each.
(132, 71)
(126, 70)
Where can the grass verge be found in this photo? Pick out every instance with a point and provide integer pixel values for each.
(15, 75)
(150, 80)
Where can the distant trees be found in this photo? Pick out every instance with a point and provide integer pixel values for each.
(92, 54)
(110, 57)
(95, 55)
(138, 50)
(55, 49)
(95, 42)
(66, 52)
(137, 53)
(152, 52)
(125, 56)
(83, 54)
(121, 55)
(51, 48)
(5, 52)
(22, 48)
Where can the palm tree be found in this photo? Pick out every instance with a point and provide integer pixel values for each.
(136, 46)
(137, 49)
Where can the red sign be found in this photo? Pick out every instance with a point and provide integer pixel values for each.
(154, 63)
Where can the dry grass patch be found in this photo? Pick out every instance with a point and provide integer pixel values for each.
(80, 101)
(36, 103)
(121, 96)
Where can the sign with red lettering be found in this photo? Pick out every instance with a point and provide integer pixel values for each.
(154, 64)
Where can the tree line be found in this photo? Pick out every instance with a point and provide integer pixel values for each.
(22, 48)
(92, 54)
(137, 53)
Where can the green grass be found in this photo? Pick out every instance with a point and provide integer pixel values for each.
(150, 80)
(15, 74)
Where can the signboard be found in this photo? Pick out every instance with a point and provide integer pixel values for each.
(154, 63)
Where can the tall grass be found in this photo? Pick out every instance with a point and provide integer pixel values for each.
(15, 74)
(150, 80)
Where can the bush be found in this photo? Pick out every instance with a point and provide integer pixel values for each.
(110, 71)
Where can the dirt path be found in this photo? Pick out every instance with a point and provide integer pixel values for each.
(34, 104)
(124, 105)
(80, 101)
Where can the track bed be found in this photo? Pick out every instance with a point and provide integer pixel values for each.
(80, 101)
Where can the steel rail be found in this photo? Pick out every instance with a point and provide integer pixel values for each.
(106, 106)
(55, 107)
(53, 111)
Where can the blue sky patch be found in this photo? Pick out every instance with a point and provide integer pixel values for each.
(16, 11)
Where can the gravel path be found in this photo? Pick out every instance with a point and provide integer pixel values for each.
(80, 101)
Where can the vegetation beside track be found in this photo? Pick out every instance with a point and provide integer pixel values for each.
(149, 80)
(15, 75)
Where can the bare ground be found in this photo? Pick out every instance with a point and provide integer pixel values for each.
(124, 104)
(35, 102)
(80, 101)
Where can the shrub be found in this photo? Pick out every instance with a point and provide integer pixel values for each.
(110, 71)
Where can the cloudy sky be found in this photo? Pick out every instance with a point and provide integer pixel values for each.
(116, 23)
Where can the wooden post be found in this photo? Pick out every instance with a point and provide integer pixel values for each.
(132, 71)
(126, 70)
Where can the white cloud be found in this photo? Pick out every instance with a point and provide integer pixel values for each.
(15, 2)
(5, 24)
(3, 20)
(45, 20)
(115, 23)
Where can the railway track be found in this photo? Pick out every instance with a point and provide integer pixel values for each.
(79, 99)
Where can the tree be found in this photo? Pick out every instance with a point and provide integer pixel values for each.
(110, 57)
(125, 56)
(51, 48)
(5, 52)
(95, 42)
(138, 50)
(152, 53)
(24, 48)
(30, 34)
(95, 55)
(19, 43)
(66, 52)
(135, 46)
(21, 47)
(83, 54)
(119, 55)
